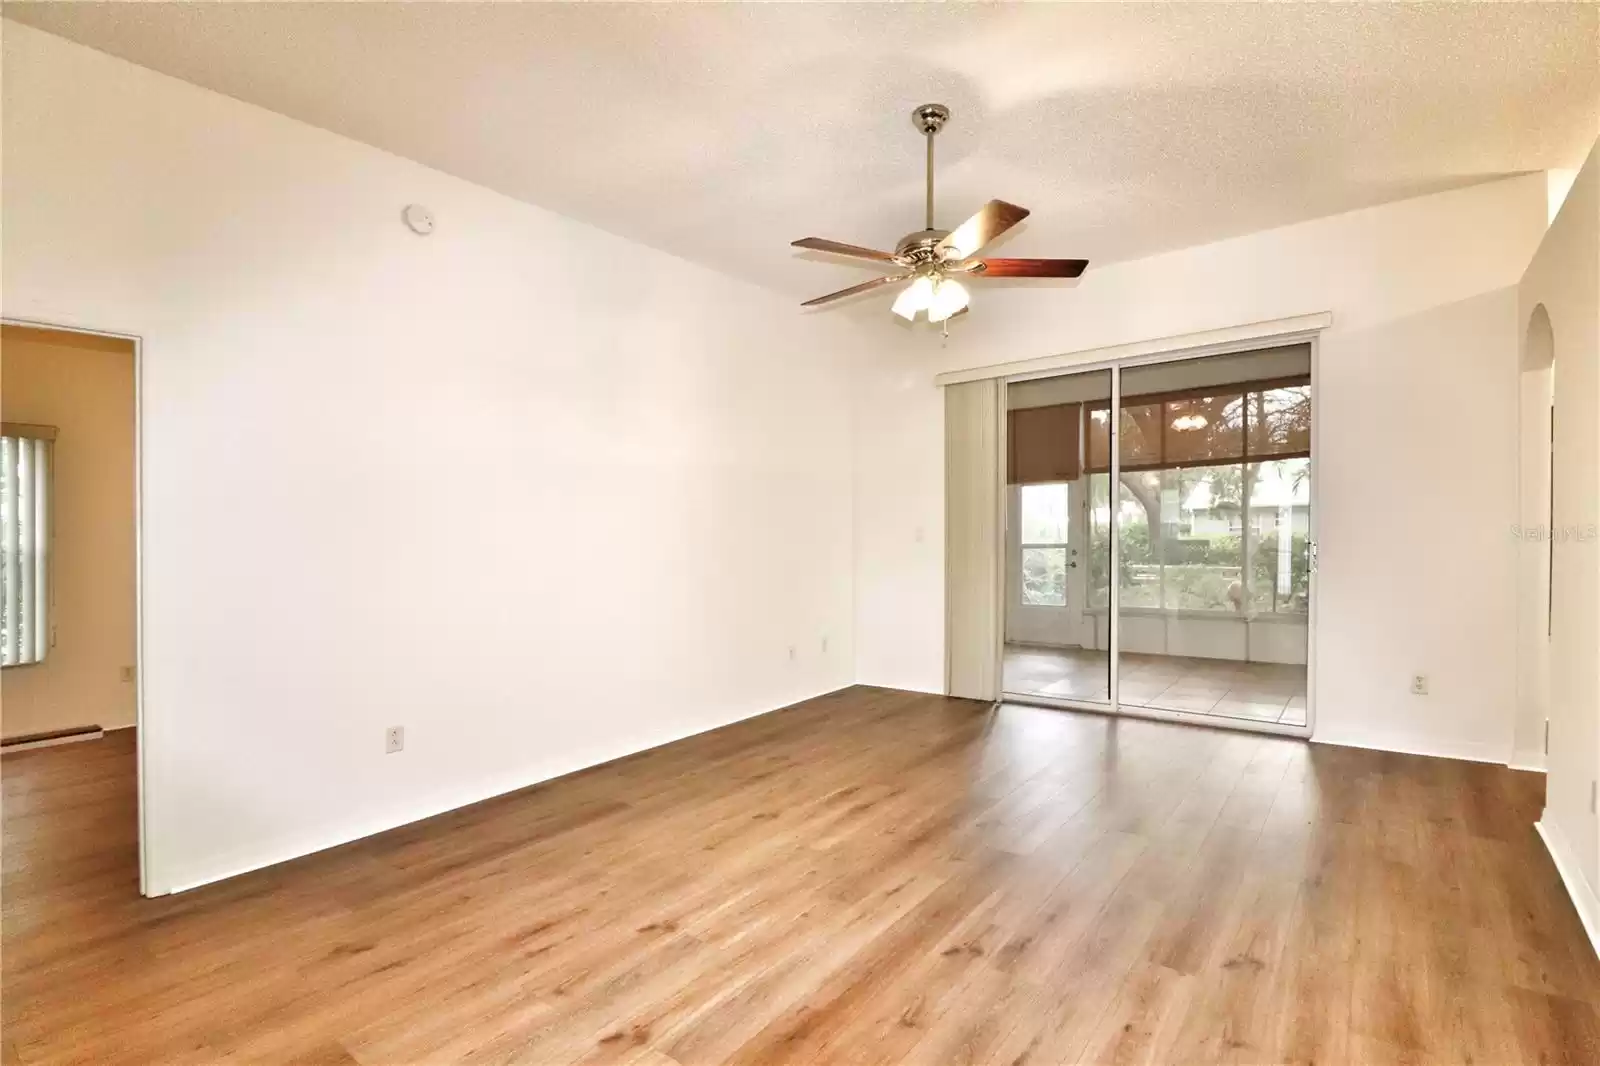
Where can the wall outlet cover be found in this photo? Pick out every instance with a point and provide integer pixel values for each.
(394, 739)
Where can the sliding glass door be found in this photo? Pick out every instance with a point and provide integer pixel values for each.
(1057, 628)
(1171, 573)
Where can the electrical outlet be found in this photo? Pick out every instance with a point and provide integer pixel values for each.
(394, 739)
(824, 645)
(1419, 685)
(793, 652)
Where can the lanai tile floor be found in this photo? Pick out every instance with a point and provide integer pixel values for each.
(1273, 692)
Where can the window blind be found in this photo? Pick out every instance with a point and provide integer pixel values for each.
(1206, 427)
(1042, 444)
(24, 544)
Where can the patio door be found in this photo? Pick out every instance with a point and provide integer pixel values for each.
(1057, 628)
(1162, 564)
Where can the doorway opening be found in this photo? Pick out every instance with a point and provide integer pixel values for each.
(69, 563)
(1159, 550)
(1536, 540)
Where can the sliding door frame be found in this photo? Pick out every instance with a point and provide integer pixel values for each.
(1303, 331)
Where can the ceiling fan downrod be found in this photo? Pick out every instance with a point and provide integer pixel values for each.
(930, 119)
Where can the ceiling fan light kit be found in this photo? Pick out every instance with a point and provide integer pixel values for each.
(929, 257)
(942, 298)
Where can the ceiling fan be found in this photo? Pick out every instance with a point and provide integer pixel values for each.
(932, 259)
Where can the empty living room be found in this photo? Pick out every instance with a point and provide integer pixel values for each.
(776, 534)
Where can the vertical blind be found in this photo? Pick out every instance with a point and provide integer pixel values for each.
(973, 621)
(24, 544)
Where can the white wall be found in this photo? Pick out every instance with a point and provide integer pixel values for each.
(1417, 565)
(540, 495)
(899, 517)
(1564, 279)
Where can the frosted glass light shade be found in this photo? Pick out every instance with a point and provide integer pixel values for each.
(918, 296)
(949, 296)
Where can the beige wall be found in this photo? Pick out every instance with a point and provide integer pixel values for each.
(83, 386)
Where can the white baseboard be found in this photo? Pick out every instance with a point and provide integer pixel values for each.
(1583, 896)
(1468, 751)
(1532, 761)
(221, 868)
(921, 690)
(51, 742)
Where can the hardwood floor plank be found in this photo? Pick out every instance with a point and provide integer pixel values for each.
(869, 877)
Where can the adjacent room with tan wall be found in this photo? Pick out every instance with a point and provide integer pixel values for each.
(81, 385)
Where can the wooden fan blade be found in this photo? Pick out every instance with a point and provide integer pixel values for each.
(1026, 268)
(854, 251)
(852, 290)
(992, 219)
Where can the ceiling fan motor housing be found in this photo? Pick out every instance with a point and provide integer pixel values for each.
(916, 249)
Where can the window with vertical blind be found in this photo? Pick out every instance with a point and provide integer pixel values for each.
(25, 453)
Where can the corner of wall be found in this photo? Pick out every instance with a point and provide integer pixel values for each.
(1529, 761)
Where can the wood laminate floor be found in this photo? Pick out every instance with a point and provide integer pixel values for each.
(869, 877)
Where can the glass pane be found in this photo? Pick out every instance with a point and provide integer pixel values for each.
(1099, 542)
(1204, 428)
(1201, 523)
(1280, 421)
(1057, 627)
(1139, 571)
(1044, 514)
(1213, 581)
(1099, 438)
(1280, 522)
(1044, 576)
(1141, 434)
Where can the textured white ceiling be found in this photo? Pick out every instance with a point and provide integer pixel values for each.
(720, 133)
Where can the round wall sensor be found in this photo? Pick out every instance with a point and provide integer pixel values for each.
(419, 218)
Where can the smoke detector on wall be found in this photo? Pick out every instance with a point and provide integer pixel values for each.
(419, 218)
